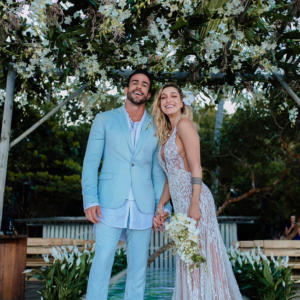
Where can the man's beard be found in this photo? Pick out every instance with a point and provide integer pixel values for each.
(138, 102)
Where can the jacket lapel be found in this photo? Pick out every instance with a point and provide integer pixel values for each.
(124, 125)
(148, 122)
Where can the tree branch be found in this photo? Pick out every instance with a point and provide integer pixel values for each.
(255, 190)
(275, 120)
(157, 253)
(251, 192)
(286, 146)
(242, 16)
(214, 178)
(245, 164)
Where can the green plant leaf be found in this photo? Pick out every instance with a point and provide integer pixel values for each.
(179, 24)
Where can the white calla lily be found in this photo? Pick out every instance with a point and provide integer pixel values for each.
(27, 271)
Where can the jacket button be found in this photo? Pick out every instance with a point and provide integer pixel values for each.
(132, 165)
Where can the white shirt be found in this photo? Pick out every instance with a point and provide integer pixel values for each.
(128, 215)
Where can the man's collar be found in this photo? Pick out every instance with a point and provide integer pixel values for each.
(141, 120)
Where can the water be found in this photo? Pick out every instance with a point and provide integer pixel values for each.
(159, 285)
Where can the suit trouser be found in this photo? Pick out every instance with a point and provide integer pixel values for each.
(137, 248)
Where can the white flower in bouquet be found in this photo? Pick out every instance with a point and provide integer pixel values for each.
(183, 231)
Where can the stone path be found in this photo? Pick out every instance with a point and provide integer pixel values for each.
(31, 288)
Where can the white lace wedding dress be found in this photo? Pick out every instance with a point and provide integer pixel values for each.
(218, 281)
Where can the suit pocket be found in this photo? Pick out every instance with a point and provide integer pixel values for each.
(106, 176)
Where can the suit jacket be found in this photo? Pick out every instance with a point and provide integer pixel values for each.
(110, 140)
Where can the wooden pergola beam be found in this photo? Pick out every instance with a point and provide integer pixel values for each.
(48, 115)
(200, 77)
(184, 75)
(287, 88)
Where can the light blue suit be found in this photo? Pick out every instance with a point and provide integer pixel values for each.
(110, 140)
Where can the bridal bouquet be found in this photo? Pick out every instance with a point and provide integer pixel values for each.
(183, 231)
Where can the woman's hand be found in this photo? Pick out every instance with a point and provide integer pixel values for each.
(157, 224)
(194, 211)
(159, 218)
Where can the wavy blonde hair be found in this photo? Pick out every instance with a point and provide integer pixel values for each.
(161, 120)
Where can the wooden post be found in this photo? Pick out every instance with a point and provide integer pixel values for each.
(219, 120)
(13, 250)
(5, 134)
(218, 127)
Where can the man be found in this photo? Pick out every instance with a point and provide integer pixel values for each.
(130, 185)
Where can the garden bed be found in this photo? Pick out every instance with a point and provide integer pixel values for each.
(66, 277)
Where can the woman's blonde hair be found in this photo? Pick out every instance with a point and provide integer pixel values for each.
(161, 120)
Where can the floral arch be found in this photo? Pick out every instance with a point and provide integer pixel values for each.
(243, 50)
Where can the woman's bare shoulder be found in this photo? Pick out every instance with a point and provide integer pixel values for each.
(186, 126)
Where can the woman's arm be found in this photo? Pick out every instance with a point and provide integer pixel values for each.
(190, 139)
(288, 231)
(165, 197)
(160, 214)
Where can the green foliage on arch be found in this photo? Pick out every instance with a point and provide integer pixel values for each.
(59, 46)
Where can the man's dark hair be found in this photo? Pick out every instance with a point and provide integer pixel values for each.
(141, 71)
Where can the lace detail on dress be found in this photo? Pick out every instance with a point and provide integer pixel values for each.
(218, 283)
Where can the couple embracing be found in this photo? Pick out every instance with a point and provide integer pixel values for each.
(146, 162)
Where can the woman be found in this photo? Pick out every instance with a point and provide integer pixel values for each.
(179, 156)
(289, 228)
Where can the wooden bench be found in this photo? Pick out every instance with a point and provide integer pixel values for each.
(249, 245)
(277, 248)
(36, 247)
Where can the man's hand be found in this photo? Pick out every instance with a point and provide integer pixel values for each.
(92, 213)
